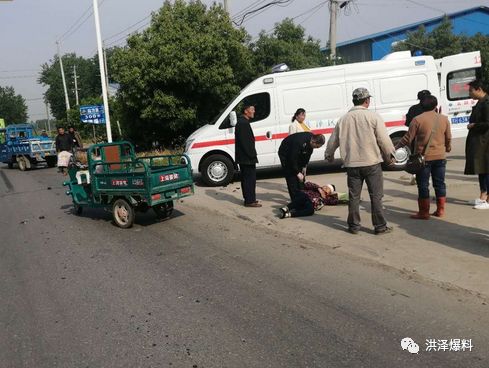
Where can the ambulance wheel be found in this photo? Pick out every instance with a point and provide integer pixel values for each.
(395, 140)
(51, 161)
(22, 161)
(123, 213)
(164, 210)
(217, 170)
(10, 165)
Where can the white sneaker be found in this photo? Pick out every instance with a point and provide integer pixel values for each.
(482, 206)
(476, 202)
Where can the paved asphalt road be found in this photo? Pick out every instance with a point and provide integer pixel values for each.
(202, 290)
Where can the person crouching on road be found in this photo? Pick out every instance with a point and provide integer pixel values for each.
(246, 156)
(64, 145)
(295, 152)
(430, 130)
(364, 145)
(312, 198)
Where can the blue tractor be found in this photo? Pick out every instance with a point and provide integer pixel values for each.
(19, 144)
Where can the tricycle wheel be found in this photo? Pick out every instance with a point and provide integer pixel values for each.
(123, 213)
(164, 210)
(78, 209)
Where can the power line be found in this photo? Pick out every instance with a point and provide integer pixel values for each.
(85, 16)
(113, 43)
(314, 10)
(128, 28)
(21, 76)
(19, 70)
(427, 6)
(76, 22)
(262, 8)
(244, 10)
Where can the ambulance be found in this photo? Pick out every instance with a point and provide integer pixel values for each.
(325, 93)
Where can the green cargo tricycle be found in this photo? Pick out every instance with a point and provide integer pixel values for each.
(112, 177)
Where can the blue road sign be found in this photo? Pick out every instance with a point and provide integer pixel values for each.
(92, 114)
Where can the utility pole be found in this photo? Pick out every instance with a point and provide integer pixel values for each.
(333, 12)
(47, 116)
(226, 6)
(106, 69)
(102, 70)
(334, 7)
(64, 80)
(76, 85)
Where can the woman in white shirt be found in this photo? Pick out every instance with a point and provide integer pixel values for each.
(298, 124)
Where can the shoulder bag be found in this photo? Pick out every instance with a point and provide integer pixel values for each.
(416, 161)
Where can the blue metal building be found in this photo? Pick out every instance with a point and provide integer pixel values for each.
(375, 46)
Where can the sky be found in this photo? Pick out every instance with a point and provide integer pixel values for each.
(29, 29)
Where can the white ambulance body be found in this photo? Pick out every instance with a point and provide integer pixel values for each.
(325, 94)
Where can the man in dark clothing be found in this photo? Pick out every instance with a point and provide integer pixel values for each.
(245, 156)
(294, 153)
(417, 109)
(63, 141)
(64, 145)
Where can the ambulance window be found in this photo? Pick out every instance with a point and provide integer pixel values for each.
(458, 83)
(261, 101)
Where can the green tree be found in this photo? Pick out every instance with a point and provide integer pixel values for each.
(438, 43)
(13, 108)
(443, 42)
(178, 73)
(88, 82)
(287, 44)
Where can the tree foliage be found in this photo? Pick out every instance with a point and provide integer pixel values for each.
(178, 73)
(287, 44)
(88, 82)
(442, 42)
(13, 108)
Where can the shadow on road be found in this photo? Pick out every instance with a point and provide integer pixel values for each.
(99, 214)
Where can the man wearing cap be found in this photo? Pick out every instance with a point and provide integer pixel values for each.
(364, 144)
(417, 109)
(245, 155)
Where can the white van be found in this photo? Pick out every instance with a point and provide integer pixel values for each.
(325, 94)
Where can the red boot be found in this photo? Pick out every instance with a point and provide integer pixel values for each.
(424, 209)
(440, 207)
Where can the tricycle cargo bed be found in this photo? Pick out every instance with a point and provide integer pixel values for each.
(113, 173)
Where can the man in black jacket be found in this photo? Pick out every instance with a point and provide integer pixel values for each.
(295, 152)
(245, 155)
(417, 109)
(64, 145)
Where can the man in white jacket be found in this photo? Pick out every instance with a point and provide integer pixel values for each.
(364, 144)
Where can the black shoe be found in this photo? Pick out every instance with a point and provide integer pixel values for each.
(385, 230)
(352, 231)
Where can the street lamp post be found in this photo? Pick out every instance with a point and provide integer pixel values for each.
(102, 71)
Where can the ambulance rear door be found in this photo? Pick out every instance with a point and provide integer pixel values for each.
(454, 73)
